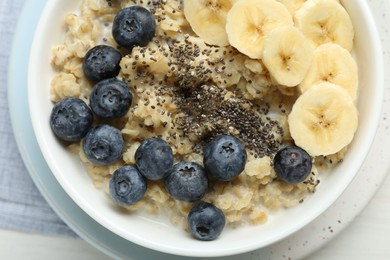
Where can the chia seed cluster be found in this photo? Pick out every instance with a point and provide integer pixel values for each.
(209, 114)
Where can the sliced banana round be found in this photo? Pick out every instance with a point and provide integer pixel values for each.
(332, 63)
(323, 120)
(287, 54)
(292, 5)
(325, 21)
(249, 21)
(207, 19)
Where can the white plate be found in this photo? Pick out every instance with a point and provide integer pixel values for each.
(298, 245)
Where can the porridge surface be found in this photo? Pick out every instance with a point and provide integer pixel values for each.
(187, 92)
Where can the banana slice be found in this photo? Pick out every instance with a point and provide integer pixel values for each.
(287, 54)
(323, 120)
(292, 5)
(249, 21)
(332, 63)
(325, 21)
(207, 19)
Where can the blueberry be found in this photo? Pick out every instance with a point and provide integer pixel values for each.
(206, 222)
(101, 62)
(224, 157)
(133, 26)
(111, 98)
(292, 164)
(187, 181)
(103, 145)
(127, 185)
(70, 119)
(154, 159)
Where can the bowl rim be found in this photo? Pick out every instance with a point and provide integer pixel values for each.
(194, 252)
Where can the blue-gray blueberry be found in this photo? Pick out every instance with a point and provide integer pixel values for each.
(127, 185)
(133, 26)
(111, 98)
(224, 157)
(292, 164)
(101, 62)
(103, 145)
(205, 221)
(154, 158)
(187, 182)
(71, 119)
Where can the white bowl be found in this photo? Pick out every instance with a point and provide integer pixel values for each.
(157, 233)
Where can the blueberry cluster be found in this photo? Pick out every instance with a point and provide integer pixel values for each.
(72, 119)
(224, 159)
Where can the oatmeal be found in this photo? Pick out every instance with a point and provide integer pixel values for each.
(187, 90)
